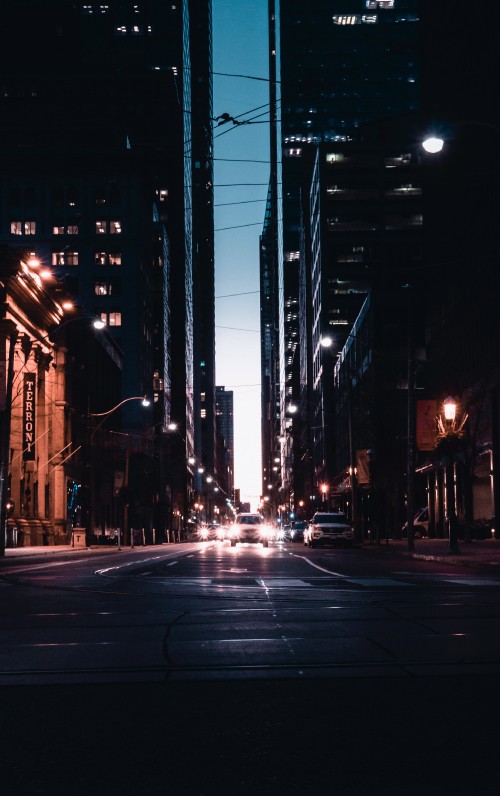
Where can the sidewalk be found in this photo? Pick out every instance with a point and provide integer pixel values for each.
(483, 553)
(50, 550)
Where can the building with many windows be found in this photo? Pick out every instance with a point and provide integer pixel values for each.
(100, 186)
(225, 441)
(340, 67)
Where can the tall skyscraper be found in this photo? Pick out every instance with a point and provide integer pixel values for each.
(225, 441)
(100, 184)
(341, 67)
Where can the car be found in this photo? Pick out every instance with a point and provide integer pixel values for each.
(329, 528)
(210, 533)
(297, 532)
(249, 527)
(420, 523)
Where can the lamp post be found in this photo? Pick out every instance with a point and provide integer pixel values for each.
(90, 473)
(7, 330)
(450, 431)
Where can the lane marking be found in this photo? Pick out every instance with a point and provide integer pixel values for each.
(321, 569)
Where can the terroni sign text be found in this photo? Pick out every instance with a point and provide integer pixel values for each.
(29, 417)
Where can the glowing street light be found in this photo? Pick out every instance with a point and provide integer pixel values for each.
(450, 430)
(433, 144)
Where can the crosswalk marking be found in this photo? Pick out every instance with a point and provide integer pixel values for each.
(315, 583)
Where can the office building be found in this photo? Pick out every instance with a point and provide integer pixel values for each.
(341, 68)
(99, 184)
(225, 442)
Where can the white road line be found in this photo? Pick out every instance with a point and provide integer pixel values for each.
(321, 569)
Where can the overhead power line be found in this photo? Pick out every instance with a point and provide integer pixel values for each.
(239, 226)
(246, 293)
(243, 202)
(246, 77)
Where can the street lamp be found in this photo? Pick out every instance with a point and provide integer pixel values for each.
(450, 429)
(90, 434)
(433, 144)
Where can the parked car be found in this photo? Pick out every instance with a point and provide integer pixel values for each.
(329, 528)
(297, 531)
(420, 523)
(249, 527)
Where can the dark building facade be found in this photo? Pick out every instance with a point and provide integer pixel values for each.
(225, 442)
(203, 232)
(341, 67)
(392, 244)
(102, 191)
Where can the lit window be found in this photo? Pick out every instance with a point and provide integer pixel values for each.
(115, 319)
(404, 190)
(64, 258)
(346, 19)
(62, 229)
(113, 227)
(108, 258)
(23, 227)
(404, 159)
(335, 157)
(103, 289)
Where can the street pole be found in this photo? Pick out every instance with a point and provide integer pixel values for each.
(450, 503)
(410, 463)
(352, 461)
(7, 330)
(127, 496)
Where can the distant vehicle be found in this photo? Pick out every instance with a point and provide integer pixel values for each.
(329, 528)
(210, 533)
(420, 523)
(297, 532)
(249, 527)
(285, 533)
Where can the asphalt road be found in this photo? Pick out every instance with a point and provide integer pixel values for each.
(200, 669)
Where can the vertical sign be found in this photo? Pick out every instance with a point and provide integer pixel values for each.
(426, 425)
(29, 417)
(363, 467)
